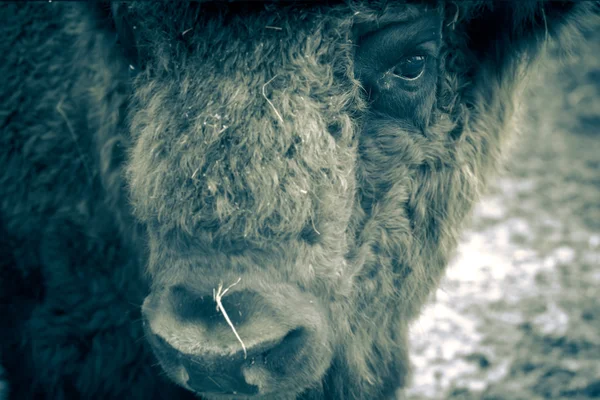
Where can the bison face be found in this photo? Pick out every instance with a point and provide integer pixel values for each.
(302, 172)
(244, 170)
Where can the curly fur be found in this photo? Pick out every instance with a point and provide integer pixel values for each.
(193, 153)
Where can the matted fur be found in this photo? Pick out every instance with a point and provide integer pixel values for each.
(226, 144)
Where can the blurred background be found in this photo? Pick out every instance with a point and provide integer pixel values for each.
(518, 316)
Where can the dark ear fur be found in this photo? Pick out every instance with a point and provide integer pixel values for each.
(498, 33)
(125, 34)
(113, 16)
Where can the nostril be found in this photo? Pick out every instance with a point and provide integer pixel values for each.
(288, 343)
(280, 355)
(188, 305)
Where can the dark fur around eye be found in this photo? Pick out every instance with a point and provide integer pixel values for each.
(397, 66)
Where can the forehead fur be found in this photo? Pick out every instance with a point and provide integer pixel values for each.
(233, 126)
(233, 123)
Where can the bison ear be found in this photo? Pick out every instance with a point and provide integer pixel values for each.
(496, 34)
(113, 17)
(125, 34)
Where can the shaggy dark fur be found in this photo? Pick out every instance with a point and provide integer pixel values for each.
(195, 143)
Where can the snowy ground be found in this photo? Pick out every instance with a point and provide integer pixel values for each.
(518, 315)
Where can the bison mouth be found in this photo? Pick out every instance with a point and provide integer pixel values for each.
(234, 375)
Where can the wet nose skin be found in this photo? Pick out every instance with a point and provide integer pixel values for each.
(186, 331)
(224, 374)
(215, 375)
(189, 306)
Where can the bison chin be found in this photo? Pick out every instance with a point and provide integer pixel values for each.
(197, 338)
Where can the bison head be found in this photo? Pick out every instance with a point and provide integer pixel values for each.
(302, 171)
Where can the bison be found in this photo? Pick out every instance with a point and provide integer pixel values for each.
(243, 199)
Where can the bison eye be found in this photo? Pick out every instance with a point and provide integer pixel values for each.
(410, 68)
(397, 66)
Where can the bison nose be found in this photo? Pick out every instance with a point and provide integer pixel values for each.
(227, 374)
(234, 346)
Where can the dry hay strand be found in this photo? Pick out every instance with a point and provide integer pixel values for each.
(218, 295)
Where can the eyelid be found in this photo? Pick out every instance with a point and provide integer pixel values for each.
(429, 48)
(382, 49)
